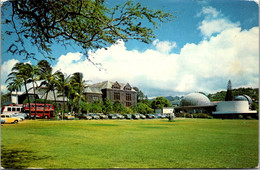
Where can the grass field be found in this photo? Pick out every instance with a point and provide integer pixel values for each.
(185, 143)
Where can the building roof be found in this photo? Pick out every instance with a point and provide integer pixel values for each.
(92, 90)
(96, 88)
(244, 98)
(41, 92)
(195, 99)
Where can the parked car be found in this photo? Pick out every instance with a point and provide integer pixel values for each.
(142, 116)
(119, 116)
(9, 119)
(158, 116)
(150, 116)
(85, 116)
(68, 116)
(103, 116)
(128, 116)
(26, 115)
(112, 116)
(95, 116)
(163, 116)
(22, 117)
(136, 116)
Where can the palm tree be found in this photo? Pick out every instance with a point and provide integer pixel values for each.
(63, 86)
(49, 79)
(33, 79)
(78, 88)
(15, 85)
(22, 71)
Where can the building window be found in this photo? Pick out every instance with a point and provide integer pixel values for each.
(13, 109)
(95, 98)
(128, 104)
(116, 96)
(116, 86)
(127, 87)
(128, 97)
(9, 109)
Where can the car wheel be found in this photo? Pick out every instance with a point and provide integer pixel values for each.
(16, 121)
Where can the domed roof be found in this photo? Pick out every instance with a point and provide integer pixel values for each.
(195, 99)
(244, 98)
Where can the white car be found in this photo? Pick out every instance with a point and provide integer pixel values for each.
(20, 116)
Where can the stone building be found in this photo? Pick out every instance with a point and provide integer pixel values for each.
(114, 91)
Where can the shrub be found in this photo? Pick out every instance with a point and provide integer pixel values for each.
(240, 117)
(249, 117)
(128, 111)
(178, 114)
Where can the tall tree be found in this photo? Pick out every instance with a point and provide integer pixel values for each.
(78, 87)
(22, 71)
(63, 86)
(89, 24)
(140, 94)
(229, 96)
(33, 79)
(48, 78)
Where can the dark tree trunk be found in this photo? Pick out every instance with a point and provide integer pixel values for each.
(28, 98)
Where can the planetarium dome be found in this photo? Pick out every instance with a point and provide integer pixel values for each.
(244, 98)
(195, 99)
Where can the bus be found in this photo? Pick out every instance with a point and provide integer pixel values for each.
(38, 110)
(12, 109)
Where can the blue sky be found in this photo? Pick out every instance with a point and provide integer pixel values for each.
(209, 43)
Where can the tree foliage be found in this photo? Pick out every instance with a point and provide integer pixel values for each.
(143, 108)
(229, 96)
(107, 106)
(118, 107)
(23, 72)
(89, 24)
(160, 102)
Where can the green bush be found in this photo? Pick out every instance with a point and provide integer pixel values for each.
(240, 117)
(179, 114)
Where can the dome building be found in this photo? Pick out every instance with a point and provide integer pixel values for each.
(241, 105)
(195, 99)
(196, 103)
(244, 98)
(199, 103)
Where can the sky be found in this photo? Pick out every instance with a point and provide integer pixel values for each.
(208, 43)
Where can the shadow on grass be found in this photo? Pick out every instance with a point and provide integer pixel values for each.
(17, 158)
(102, 125)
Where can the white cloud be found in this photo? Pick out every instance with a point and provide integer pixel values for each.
(210, 12)
(164, 46)
(214, 22)
(209, 27)
(5, 70)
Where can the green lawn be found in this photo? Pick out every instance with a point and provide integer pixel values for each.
(185, 143)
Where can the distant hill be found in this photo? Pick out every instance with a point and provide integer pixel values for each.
(251, 92)
(170, 98)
